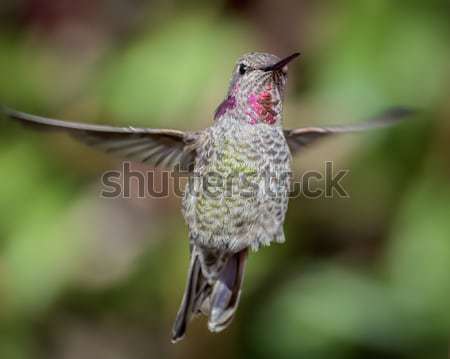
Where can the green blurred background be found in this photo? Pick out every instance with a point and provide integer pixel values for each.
(364, 277)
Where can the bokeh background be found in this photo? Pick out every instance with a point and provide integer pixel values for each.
(363, 277)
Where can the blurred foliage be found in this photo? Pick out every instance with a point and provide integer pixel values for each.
(364, 277)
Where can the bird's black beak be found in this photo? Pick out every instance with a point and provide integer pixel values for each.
(282, 63)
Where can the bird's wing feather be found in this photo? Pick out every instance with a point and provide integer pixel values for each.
(301, 137)
(155, 147)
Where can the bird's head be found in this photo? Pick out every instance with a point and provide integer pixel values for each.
(256, 89)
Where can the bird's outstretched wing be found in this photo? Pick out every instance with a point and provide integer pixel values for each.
(301, 137)
(155, 147)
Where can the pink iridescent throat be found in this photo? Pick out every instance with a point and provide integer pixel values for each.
(262, 108)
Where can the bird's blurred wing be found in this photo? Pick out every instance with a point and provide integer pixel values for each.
(301, 137)
(155, 147)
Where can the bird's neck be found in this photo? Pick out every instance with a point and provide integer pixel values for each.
(254, 107)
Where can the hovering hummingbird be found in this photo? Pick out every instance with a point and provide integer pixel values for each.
(245, 138)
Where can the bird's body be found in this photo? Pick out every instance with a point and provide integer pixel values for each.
(232, 204)
(240, 166)
(239, 194)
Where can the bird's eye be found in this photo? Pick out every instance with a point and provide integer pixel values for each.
(242, 69)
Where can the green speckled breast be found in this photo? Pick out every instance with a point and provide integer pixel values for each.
(229, 207)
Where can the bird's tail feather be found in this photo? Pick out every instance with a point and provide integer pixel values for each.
(213, 290)
(185, 311)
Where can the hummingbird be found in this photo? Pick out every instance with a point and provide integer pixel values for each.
(246, 139)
